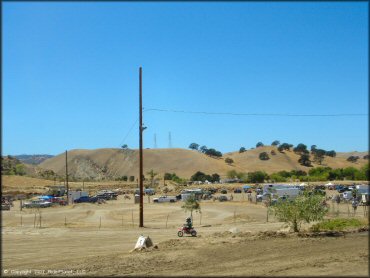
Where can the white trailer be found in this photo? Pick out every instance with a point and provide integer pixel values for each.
(290, 193)
(74, 195)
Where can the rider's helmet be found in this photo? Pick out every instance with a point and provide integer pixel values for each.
(188, 219)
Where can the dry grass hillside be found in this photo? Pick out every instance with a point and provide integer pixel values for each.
(249, 160)
(113, 163)
(23, 184)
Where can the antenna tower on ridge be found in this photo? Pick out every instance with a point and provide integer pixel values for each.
(169, 140)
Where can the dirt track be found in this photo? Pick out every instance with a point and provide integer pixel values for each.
(81, 246)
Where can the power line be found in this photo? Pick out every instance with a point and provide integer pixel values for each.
(257, 114)
(129, 131)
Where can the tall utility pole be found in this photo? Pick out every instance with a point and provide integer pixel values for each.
(67, 179)
(155, 140)
(141, 224)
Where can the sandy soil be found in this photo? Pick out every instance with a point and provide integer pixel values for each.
(232, 241)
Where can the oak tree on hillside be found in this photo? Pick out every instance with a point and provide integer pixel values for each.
(305, 160)
(284, 146)
(319, 155)
(242, 149)
(331, 153)
(194, 146)
(300, 148)
(264, 156)
(229, 160)
(353, 158)
(275, 143)
(259, 144)
(203, 149)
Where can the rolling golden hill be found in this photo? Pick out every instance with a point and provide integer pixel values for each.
(112, 163)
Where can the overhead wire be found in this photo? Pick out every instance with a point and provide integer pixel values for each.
(257, 114)
(128, 132)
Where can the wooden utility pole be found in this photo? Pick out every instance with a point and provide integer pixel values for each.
(67, 179)
(141, 149)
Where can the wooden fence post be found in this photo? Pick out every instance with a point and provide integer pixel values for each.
(167, 220)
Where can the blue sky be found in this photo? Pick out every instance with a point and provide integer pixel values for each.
(70, 74)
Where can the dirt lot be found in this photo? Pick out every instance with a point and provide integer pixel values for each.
(91, 239)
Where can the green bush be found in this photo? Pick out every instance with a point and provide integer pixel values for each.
(337, 224)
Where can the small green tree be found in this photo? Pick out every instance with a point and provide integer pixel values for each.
(125, 147)
(198, 176)
(304, 208)
(191, 204)
(152, 175)
(242, 149)
(20, 170)
(257, 177)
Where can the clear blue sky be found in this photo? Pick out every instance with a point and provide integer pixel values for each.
(70, 74)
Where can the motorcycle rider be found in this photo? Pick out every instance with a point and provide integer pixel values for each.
(189, 224)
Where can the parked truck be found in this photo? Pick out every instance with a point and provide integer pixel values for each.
(164, 199)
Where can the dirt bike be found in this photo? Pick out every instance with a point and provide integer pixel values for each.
(185, 230)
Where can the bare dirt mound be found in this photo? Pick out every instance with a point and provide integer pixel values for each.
(263, 254)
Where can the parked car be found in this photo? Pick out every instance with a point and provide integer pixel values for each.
(86, 199)
(107, 195)
(5, 206)
(223, 191)
(149, 191)
(212, 190)
(347, 195)
(37, 204)
(237, 190)
(59, 200)
(222, 198)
